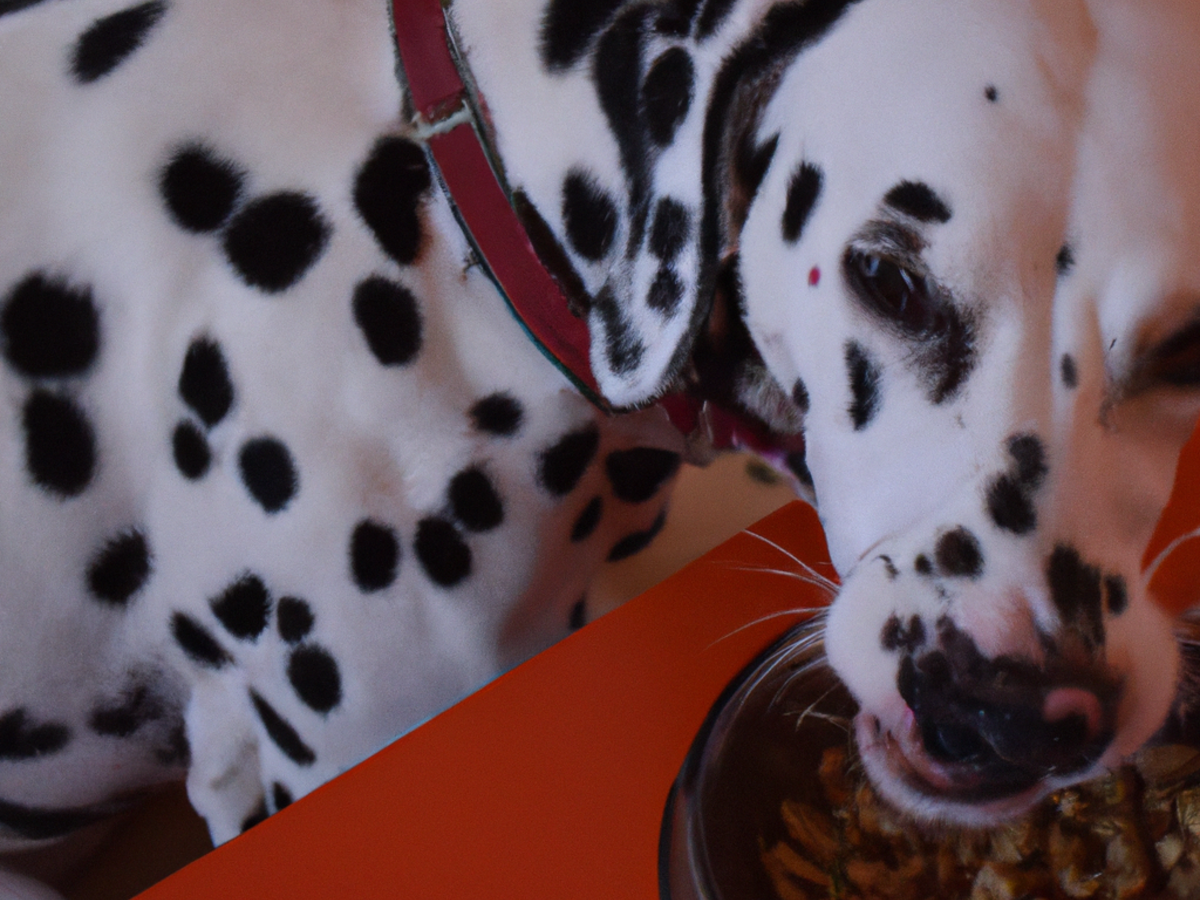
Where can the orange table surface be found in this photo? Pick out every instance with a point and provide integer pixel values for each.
(551, 781)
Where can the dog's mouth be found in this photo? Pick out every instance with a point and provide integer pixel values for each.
(958, 772)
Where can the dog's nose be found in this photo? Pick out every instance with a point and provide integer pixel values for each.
(1002, 725)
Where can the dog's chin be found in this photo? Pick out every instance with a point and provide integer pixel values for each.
(929, 791)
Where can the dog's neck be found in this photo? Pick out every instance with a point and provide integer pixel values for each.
(620, 128)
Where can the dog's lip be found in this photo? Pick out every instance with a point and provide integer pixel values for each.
(898, 753)
(899, 749)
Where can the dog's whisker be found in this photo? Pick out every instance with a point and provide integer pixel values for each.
(814, 580)
(1149, 572)
(794, 558)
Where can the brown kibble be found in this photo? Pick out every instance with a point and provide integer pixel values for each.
(1169, 849)
(786, 867)
(1187, 811)
(813, 830)
(1121, 837)
(1168, 764)
(832, 774)
(1127, 865)
(998, 881)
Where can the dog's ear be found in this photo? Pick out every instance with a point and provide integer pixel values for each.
(655, 304)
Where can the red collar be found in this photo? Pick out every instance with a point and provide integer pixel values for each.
(445, 113)
(482, 205)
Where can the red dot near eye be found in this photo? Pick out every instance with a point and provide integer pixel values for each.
(814, 277)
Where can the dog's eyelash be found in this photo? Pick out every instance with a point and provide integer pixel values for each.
(900, 294)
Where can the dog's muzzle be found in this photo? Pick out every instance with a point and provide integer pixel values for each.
(977, 730)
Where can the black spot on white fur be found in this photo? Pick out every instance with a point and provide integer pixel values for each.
(587, 520)
(200, 189)
(711, 17)
(1075, 589)
(577, 617)
(120, 569)
(1029, 454)
(127, 713)
(294, 619)
(243, 607)
(670, 229)
(274, 240)
(21, 738)
(562, 465)
(198, 642)
(637, 474)
(667, 94)
(786, 30)
(474, 500)
(442, 552)
(959, 555)
(865, 380)
(190, 449)
(1065, 260)
(374, 556)
(204, 382)
(638, 541)
(918, 200)
(1010, 495)
(109, 41)
(499, 414)
(898, 635)
(12, 6)
(280, 796)
(1116, 595)
(589, 216)
(60, 444)
(314, 675)
(569, 27)
(268, 473)
(804, 189)
(281, 732)
(666, 292)
(1068, 371)
(387, 194)
(389, 317)
(50, 328)
(800, 396)
(623, 350)
(257, 816)
(616, 71)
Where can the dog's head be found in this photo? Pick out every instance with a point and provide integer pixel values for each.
(977, 272)
(955, 243)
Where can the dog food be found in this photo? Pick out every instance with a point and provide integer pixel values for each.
(1132, 834)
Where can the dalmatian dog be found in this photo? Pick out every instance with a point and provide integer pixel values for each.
(950, 243)
(283, 475)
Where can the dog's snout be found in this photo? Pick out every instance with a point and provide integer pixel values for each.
(997, 727)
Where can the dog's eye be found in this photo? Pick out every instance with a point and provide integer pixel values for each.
(894, 292)
(1176, 361)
